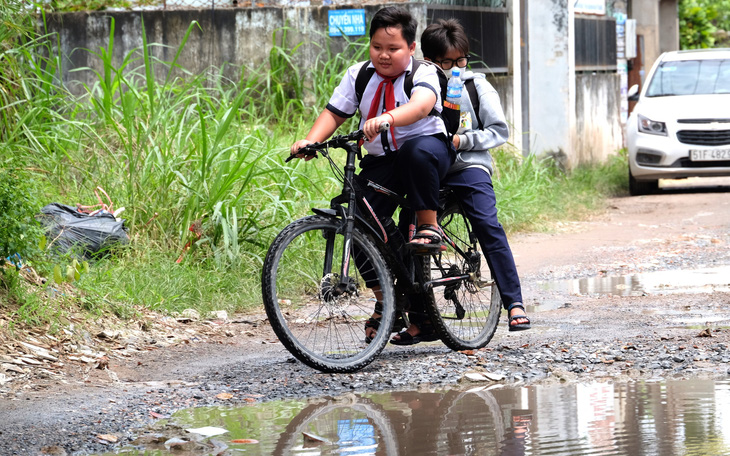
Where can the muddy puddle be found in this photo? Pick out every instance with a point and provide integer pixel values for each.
(704, 280)
(687, 417)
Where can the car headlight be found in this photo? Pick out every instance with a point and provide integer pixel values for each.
(651, 126)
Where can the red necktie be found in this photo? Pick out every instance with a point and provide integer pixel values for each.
(389, 101)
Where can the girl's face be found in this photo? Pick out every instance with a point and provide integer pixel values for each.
(390, 52)
(453, 58)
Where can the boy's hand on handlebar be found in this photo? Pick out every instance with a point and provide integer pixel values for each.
(373, 127)
(298, 145)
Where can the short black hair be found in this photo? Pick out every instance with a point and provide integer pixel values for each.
(441, 36)
(396, 17)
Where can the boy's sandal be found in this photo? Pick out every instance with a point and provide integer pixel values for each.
(426, 334)
(519, 326)
(374, 322)
(433, 234)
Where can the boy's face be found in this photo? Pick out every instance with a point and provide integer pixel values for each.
(389, 51)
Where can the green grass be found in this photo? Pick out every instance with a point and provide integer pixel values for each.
(179, 150)
(533, 194)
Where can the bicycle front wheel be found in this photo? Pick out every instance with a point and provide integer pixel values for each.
(318, 315)
(465, 312)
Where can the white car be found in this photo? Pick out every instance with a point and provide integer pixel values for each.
(680, 126)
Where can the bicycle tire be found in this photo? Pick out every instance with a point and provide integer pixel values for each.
(477, 297)
(322, 330)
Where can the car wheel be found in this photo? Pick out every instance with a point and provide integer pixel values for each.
(637, 187)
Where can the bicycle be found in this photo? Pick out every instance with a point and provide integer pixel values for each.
(317, 302)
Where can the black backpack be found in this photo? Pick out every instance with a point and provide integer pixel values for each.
(448, 115)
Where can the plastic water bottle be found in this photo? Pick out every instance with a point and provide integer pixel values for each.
(454, 88)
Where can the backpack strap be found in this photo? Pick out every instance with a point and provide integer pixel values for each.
(471, 87)
(408, 80)
(361, 80)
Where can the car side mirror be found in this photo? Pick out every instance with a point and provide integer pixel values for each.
(633, 93)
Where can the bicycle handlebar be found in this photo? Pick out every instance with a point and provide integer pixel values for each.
(336, 141)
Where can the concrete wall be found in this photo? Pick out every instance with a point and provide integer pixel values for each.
(231, 39)
(669, 25)
(598, 132)
(658, 22)
(237, 40)
(505, 88)
(551, 77)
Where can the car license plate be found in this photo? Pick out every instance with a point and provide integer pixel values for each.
(709, 154)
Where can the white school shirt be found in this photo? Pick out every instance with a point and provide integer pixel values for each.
(344, 104)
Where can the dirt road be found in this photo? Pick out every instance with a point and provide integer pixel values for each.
(643, 331)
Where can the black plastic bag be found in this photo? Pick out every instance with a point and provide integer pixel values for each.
(86, 236)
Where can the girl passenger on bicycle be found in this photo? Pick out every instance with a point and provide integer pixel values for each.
(447, 44)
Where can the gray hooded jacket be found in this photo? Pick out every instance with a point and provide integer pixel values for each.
(474, 144)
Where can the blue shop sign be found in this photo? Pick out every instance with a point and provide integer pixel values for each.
(346, 22)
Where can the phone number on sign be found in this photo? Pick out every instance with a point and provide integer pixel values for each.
(709, 155)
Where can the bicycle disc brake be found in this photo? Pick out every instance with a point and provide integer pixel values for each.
(331, 287)
(450, 292)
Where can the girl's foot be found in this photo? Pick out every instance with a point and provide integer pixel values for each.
(518, 320)
(373, 323)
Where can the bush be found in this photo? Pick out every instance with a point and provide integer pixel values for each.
(20, 233)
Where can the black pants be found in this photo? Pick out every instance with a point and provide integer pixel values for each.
(415, 171)
(473, 187)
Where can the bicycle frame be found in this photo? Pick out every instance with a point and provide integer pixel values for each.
(358, 212)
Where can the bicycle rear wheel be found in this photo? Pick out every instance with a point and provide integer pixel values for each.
(321, 326)
(465, 313)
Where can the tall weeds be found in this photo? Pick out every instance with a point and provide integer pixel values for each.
(197, 161)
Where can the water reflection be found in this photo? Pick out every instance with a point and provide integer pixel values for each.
(658, 282)
(689, 417)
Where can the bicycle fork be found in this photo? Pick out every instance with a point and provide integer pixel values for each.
(345, 284)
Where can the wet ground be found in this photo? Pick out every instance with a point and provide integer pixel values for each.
(650, 418)
(580, 334)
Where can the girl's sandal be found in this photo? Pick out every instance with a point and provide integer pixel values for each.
(374, 323)
(433, 234)
(371, 323)
(518, 326)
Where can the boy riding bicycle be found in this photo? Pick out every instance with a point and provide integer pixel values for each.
(414, 155)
